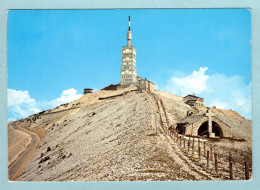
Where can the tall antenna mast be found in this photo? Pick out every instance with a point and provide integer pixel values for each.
(129, 34)
(129, 23)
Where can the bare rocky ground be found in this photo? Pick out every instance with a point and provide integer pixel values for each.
(17, 143)
(116, 139)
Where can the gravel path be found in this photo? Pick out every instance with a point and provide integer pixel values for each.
(18, 165)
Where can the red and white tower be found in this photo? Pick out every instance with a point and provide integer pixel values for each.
(129, 34)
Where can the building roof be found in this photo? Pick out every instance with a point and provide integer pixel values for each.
(192, 96)
(190, 119)
(144, 79)
(140, 78)
(88, 89)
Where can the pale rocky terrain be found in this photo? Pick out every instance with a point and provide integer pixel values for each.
(117, 139)
(17, 143)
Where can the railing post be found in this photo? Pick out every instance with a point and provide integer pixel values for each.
(180, 141)
(184, 143)
(207, 158)
(199, 152)
(204, 149)
(193, 147)
(211, 152)
(188, 146)
(230, 166)
(246, 170)
(216, 162)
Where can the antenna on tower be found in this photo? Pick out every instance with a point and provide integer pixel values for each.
(129, 34)
(129, 23)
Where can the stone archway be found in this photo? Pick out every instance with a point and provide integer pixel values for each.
(199, 127)
(216, 129)
(203, 129)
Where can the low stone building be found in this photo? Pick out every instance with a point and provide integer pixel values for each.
(193, 100)
(88, 90)
(203, 125)
(144, 84)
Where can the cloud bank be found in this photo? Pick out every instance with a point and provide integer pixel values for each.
(21, 105)
(225, 92)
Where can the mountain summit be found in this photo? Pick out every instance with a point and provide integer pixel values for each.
(112, 136)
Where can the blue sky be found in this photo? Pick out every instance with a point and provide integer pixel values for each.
(54, 54)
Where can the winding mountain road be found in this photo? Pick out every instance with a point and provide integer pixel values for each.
(17, 166)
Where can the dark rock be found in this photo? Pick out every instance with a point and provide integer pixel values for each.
(42, 155)
(44, 159)
(48, 149)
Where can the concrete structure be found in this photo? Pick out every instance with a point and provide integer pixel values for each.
(193, 100)
(128, 69)
(144, 84)
(203, 125)
(87, 90)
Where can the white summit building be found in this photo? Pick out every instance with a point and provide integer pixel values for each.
(128, 70)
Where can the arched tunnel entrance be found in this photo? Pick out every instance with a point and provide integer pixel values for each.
(203, 129)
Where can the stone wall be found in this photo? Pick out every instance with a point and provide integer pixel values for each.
(141, 84)
(144, 84)
(193, 128)
(151, 86)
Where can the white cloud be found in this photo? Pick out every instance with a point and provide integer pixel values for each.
(66, 97)
(21, 105)
(193, 83)
(226, 92)
(18, 97)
